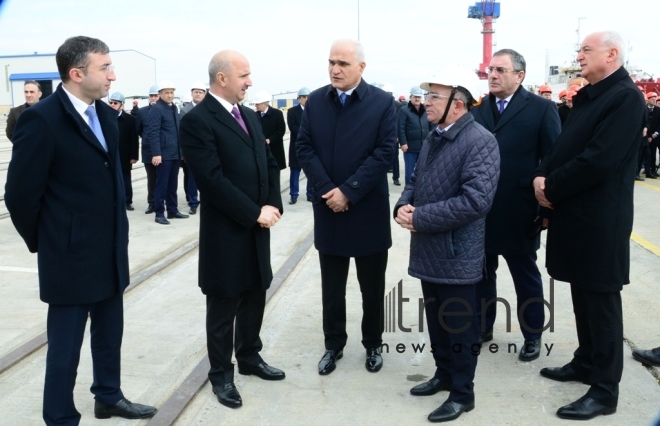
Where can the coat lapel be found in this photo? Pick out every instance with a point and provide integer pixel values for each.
(485, 111)
(83, 128)
(518, 102)
(223, 116)
(109, 123)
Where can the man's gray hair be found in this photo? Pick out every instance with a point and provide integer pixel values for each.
(517, 59)
(218, 64)
(611, 39)
(359, 50)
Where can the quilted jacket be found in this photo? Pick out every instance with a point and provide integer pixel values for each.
(452, 189)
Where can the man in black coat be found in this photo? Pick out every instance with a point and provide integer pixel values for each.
(129, 146)
(273, 127)
(74, 218)
(239, 183)
(149, 168)
(345, 146)
(587, 179)
(526, 126)
(652, 132)
(32, 92)
(293, 120)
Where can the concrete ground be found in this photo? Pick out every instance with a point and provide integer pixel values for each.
(164, 337)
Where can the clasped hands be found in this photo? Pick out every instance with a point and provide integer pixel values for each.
(336, 200)
(404, 217)
(269, 216)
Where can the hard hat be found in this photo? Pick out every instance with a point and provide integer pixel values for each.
(153, 90)
(166, 84)
(387, 87)
(545, 89)
(650, 95)
(416, 91)
(402, 97)
(261, 97)
(186, 98)
(117, 96)
(198, 85)
(303, 92)
(135, 102)
(570, 94)
(562, 94)
(457, 77)
(574, 88)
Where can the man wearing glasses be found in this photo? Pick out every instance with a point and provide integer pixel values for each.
(198, 92)
(526, 126)
(74, 218)
(129, 146)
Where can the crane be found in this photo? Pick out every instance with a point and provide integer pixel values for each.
(487, 11)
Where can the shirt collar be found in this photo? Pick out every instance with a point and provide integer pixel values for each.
(78, 104)
(507, 99)
(223, 102)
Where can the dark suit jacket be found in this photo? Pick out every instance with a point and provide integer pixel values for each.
(349, 147)
(12, 118)
(129, 146)
(589, 180)
(653, 121)
(273, 126)
(65, 195)
(236, 175)
(525, 133)
(140, 125)
(293, 120)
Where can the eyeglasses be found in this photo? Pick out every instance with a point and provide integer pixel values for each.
(115, 103)
(431, 96)
(104, 68)
(499, 70)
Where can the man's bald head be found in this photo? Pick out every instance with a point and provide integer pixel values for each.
(229, 76)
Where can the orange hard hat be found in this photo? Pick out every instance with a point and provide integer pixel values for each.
(574, 88)
(545, 89)
(650, 95)
(570, 94)
(562, 94)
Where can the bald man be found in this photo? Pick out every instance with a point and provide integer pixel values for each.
(239, 182)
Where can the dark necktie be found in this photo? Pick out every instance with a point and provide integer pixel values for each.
(95, 125)
(501, 104)
(342, 98)
(237, 116)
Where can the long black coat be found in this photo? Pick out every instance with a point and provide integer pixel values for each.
(350, 148)
(236, 175)
(589, 180)
(65, 195)
(129, 145)
(274, 128)
(525, 133)
(293, 120)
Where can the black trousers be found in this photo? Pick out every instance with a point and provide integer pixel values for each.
(371, 276)
(653, 149)
(128, 185)
(455, 340)
(248, 311)
(599, 356)
(529, 286)
(151, 182)
(66, 330)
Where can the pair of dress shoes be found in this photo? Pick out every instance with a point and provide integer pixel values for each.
(124, 408)
(449, 410)
(530, 350)
(328, 363)
(227, 393)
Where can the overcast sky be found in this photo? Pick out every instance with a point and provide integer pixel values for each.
(287, 42)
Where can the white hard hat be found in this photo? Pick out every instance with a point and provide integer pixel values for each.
(186, 98)
(166, 84)
(387, 87)
(198, 85)
(261, 97)
(457, 77)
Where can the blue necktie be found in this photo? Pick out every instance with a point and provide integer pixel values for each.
(342, 98)
(501, 103)
(96, 126)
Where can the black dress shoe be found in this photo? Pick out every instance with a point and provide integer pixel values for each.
(648, 357)
(563, 374)
(328, 362)
(261, 370)
(193, 210)
(293, 200)
(530, 350)
(639, 178)
(431, 387)
(150, 209)
(485, 337)
(374, 360)
(584, 408)
(129, 207)
(396, 182)
(228, 395)
(162, 220)
(123, 408)
(650, 177)
(177, 215)
(449, 410)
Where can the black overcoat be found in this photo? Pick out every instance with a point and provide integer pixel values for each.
(293, 120)
(236, 175)
(129, 145)
(590, 180)
(274, 128)
(65, 194)
(525, 132)
(350, 148)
